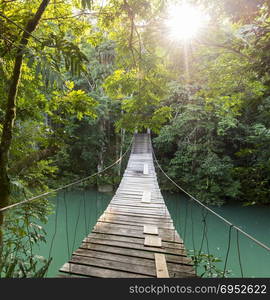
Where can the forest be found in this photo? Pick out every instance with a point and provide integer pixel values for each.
(78, 77)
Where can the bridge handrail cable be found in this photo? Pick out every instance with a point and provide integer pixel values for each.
(209, 209)
(68, 185)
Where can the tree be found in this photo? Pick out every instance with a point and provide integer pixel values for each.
(139, 78)
(219, 130)
(10, 113)
(28, 51)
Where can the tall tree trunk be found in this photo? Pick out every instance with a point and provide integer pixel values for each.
(10, 113)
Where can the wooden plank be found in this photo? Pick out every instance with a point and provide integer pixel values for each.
(112, 237)
(138, 205)
(141, 218)
(175, 270)
(161, 266)
(152, 241)
(117, 257)
(174, 267)
(118, 229)
(145, 209)
(136, 220)
(128, 239)
(91, 271)
(64, 275)
(150, 229)
(146, 197)
(120, 244)
(133, 223)
(115, 226)
(173, 258)
(145, 169)
(113, 265)
(136, 213)
(131, 192)
(138, 223)
(122, 200)
(181, 274)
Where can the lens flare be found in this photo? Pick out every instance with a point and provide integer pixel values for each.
(185, 21)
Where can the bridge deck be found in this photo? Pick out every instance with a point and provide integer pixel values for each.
(135, 236)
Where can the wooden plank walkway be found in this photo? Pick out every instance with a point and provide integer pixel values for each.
(135, 236)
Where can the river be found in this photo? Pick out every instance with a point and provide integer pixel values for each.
(244, 256)
(77, 212)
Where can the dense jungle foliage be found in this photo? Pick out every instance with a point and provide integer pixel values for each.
(78, 77)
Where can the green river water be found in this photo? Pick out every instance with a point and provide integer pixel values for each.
(220, 241)
(77, 213)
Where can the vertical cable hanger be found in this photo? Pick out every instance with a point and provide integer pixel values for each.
(84, 212)
(203, 231)
(26, 214)
(66, 227)
(185, 220)
(192, 228)
(96, 210)
(177, 218)
(88, 202)
(76, 225)
(55, 227)
(228, 249)
(207, 244)
(238, 251)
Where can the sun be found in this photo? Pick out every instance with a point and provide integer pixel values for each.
(185, 21)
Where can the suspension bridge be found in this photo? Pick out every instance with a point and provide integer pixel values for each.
(135, 236)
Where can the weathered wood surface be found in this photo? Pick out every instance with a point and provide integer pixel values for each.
(135, 236)
(161, 266)
(149, 229)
